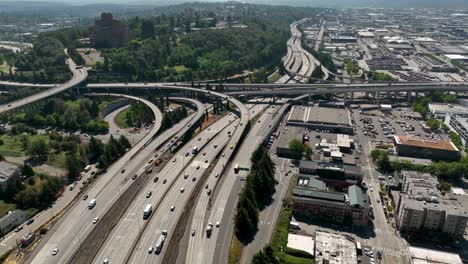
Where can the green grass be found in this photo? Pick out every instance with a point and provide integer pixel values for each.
(273, 78)
(180, 68)
(11, 146)
(5, 208)
(4, 68)
(57, 160)
(121, 118)
(288, 259)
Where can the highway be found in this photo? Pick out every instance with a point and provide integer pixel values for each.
(79, 75)
(26, 85)
(216, 248)
(76, 224)
(165, 219)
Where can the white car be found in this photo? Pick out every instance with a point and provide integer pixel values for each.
(217, 224)
(150, 250)
(55, 251)
(95, 220)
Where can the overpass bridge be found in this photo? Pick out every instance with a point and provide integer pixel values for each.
(297, 89)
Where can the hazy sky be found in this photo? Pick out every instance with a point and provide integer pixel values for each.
(330, 3)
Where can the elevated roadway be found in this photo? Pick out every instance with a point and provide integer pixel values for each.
(76, 224)
(79, 75)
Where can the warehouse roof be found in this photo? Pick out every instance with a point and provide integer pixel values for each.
(328, 115)
(423, 143)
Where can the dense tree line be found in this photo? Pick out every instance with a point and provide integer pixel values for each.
(420, 104)
(138, 114)
(35, 191)
(257, 192)
(71, 115)
(449, 171)
(170, 118)
(45, 62)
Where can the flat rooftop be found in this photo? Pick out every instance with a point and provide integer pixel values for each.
(425, 255)
(334, 248)
(315, 114)
(303, 243)
(328, 115)
(424, 143)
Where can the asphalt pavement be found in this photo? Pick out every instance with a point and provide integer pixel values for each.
(76, 224)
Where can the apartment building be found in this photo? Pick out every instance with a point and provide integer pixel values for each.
(421, 206)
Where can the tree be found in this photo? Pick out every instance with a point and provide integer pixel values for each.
(123, 141)
(308, 152)
(433, 123)
(95, 149)
(27, 171)
(38, 149)
(445, 186)
(73, 165)
(298, 147)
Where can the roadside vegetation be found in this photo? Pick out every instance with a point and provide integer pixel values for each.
(276, 251)
(45, 62)
(257, 192)
(72, 115)
(445, 171)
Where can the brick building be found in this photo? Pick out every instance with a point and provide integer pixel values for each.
(109, 33)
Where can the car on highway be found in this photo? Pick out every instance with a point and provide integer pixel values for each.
(149, 161)
(156, 179)
(215, 145)
(222, 155)
(217, 224)
(204, 154)
(208, 192)
(193, 232)
(172, 208)
(150, 250)
(186, 154)
(85, 197)
(198, 167)
(106, 261)
(19, 228)
(164, 181)
(174, 160)
(232, 146)
(194, 179)
(199, 138)
(148, 194)
(182, 190)
(96, 219)
(206, 161)
(55, 251)
(30, 221)
(122, 171)
(134, 177)
(186, 176)
(206, 186)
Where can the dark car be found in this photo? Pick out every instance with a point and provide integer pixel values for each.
(30, 221)
(134, 177)
(156, 179)
(85, 197)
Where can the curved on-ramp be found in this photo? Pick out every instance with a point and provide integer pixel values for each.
(79, 75)
(76, 223)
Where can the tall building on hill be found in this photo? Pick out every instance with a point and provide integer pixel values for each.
(109, 33)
